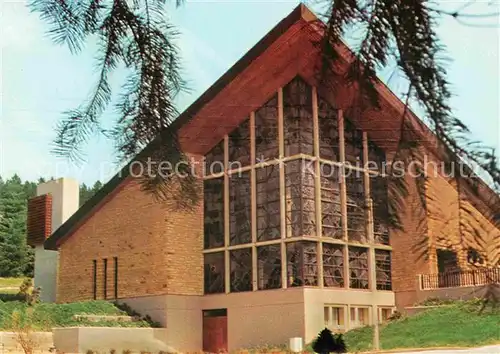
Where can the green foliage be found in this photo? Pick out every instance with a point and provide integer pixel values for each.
(131, 312)
(11, 282)
(44, 316)
(327, 342)
(457, 325)
(87, 192)
(28, 293)
(435, 301)
(13, 248)
(16, 257)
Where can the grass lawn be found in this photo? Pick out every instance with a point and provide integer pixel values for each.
(44, 316)
(11, 282)
(457, 325)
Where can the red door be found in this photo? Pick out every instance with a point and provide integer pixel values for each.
(215, 331)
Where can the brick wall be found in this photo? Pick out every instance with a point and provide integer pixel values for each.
(409, 242)
(444, 219)
(158, 249)
(454, 223)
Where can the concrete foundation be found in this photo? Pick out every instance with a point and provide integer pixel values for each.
(103, 339)
(255, 318)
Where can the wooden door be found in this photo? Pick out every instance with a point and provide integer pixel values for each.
(215, 331)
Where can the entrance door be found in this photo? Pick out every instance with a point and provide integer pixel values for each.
(215, 331)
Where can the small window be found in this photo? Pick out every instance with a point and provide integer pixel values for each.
(363, 317)
(446, 260)
(385, 314)
(474, 257)
(105, 279)
(334, 317)
(115, 288)
(359, 317)
(94, 279)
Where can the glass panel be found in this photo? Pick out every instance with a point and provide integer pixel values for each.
(333, 265)
(338, 316)
(376, 157)
(299, 194)
(239, 146)
(383, 269)
(358, 267)
(363, 318)
(297, 118)
(356, 226)
(328, 131)
(268, 203)
(214, 273)
(326, 315)
(353, 144)
(213, 213)
(266, 131)
(302, 264)
(385, 314)
(381, 218)
(241, 270)
(214, 159)
(330, 201)
(239, 208)
(269, 267)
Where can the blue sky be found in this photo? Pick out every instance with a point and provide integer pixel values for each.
(39, 80)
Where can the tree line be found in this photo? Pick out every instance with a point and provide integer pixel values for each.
(16, 257)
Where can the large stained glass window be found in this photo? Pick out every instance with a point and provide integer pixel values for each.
(239, 208)
(214, 159)
(266, 131)
(381, 218)
(358, 267)
(269, 267)
(328, 131)
(356, 223)
(214, 269)
(213, 212)
(297, 118)
(268, 203)
(241, 270)
(239, 146)
(299, 194)
(330, 201)
(302, 264)
(333, 265)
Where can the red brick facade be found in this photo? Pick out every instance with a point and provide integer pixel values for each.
(159, 248)
(154, 243)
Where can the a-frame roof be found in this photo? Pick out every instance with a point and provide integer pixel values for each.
(289, 49)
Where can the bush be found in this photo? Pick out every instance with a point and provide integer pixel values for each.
(327, 342)
(396, 315)
(435, 301)
(28, 293)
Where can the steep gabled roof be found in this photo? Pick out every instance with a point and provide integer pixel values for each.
(288, 50)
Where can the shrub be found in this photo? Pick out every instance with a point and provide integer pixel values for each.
(28, 293)
(327, 342)
(396, 315)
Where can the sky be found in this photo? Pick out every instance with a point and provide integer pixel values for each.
(40, 80)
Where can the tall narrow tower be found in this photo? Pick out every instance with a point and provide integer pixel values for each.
(55, 202)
